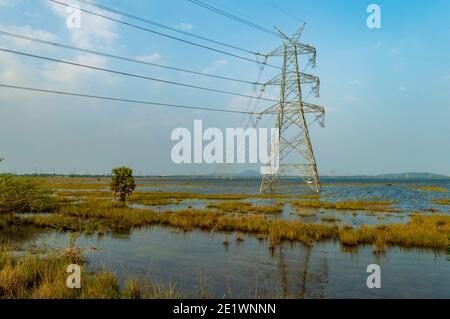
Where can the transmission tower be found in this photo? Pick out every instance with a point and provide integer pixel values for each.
(296, 156)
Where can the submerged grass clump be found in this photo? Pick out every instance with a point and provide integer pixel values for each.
(432, 188)
(422, 231)
(305, 212)
(245, 207)
(443, 201)
(346, 205)
(330, 219)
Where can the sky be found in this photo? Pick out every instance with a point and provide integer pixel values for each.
(386, 91)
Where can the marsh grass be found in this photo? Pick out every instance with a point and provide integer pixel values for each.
(44, 277)
(432, 188)
(383, 206)
(148, 199)
(443, 201)
(305, 212)
(245, 207)
(427, 231)
(423, 231)
(330, 219)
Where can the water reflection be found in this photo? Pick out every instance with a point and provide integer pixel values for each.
(200, 262)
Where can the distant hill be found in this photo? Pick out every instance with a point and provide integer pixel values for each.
(412, 176)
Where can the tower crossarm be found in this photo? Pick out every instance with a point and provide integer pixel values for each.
(302, 48)
(308, 108)
(305, 78)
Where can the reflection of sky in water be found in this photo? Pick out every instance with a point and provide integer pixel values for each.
(325, 270)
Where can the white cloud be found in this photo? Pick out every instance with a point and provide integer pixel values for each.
(9, 3)
(12, 70)
(27, 31)
(63, 73)
(94, 31)
(149, 57)
(184, 26)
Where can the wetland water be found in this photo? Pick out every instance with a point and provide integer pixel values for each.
(199, 261)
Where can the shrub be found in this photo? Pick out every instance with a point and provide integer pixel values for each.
(21, 194)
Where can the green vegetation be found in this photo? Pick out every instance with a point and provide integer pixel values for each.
(122, 182)
(443, 201)
(422, 231)
(245, 207)
(329, 219)
(432, 188)
(44, 277)
(305, 212)
(383, 206)
(22, 194)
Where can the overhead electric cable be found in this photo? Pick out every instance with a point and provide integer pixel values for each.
(170, 36)
(160, 25)
(134, 75)
(98, 97)
(233, 17)
(108, 55)
(285, 12)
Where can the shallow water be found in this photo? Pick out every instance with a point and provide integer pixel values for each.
(196, 261)
(247, 269)
(404, 193)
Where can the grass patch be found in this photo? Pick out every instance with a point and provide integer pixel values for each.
(245, 207)
(305, 212)
(347, 205)
(150, 200)
(444, 201)
(329, 219)
(432, 188)
(424, 231)
(44, 277)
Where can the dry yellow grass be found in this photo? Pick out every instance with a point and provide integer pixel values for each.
(422, 230)
(444, 201)
(347, 205)
(432, 188)
(44, 277)
(245, 207)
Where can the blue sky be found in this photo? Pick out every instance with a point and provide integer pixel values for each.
(386, 91)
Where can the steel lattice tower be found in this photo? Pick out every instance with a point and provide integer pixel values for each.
(296, 156)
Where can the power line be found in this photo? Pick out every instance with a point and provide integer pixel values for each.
(134, 75)
(233, 17)
(99, 97)
(28, 38)
(134, 17)
(170, 36)
(290, 15)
